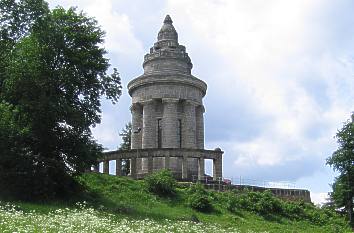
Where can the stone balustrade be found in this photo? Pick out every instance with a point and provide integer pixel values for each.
(151, 153)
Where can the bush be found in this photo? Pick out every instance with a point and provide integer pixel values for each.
(161, 183)
(261, 203)
(233, 202)
(199, 198)
(293, 210)
(268, 204)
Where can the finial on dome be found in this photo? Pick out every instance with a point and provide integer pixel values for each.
(167, 31)
(168, 20)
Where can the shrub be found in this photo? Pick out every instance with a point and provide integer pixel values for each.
(161, 183)
(199, 198)
(293, 209)
(261, 203)
(233, 202)
(268, 204)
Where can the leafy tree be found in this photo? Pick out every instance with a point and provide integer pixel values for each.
(342, 160)
(126, 137)
(126, 145)
(52, 75)
(340, 188)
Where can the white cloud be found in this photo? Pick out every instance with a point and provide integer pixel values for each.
(105, 133)
(269, 51)
(120, 38)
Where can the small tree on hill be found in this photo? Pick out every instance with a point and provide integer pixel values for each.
(342, 160)
(126, 145)
(126, 137)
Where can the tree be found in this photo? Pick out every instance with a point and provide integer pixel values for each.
(342, 160)
(52, 75)
(126, 135)
(126, 145)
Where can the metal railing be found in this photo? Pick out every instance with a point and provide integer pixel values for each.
(242, 181)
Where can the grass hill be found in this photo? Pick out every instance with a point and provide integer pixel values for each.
(120, 204)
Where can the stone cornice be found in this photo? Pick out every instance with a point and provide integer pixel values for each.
(170, 100)
(192, 103)
(167, 79)
(163, 55)
(162, 152)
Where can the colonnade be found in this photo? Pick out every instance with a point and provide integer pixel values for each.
(150, 155)
(145, 115)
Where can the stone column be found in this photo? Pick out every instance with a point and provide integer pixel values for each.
(133, 168)
(201, 168)
(189, 125)
(137, 122)
(169, 123)
(167, 162)
(106, 166)
(118, 167)
(150, 163)
(185, 168)
(149, 125)
(217, 168)
(200, 126)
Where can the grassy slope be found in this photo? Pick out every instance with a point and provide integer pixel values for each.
(125, 197)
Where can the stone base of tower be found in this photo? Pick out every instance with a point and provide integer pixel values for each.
(175, 166)
(185, 164)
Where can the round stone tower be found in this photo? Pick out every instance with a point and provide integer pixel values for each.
(167, 108)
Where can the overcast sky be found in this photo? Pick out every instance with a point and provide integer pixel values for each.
(280, 77)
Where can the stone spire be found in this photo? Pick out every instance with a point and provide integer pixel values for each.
(167, 56)
(167, 31)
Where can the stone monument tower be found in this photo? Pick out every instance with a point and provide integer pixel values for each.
(167, 116)
(167, 107)
(167, 119)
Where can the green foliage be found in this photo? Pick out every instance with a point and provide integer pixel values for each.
(263, 203)
(267, 203)
(199, 199)
(342, 160)
(161, 183)
(13, 136)
(52, 77)
(293, 210)
(126, 134)
(124, 198)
